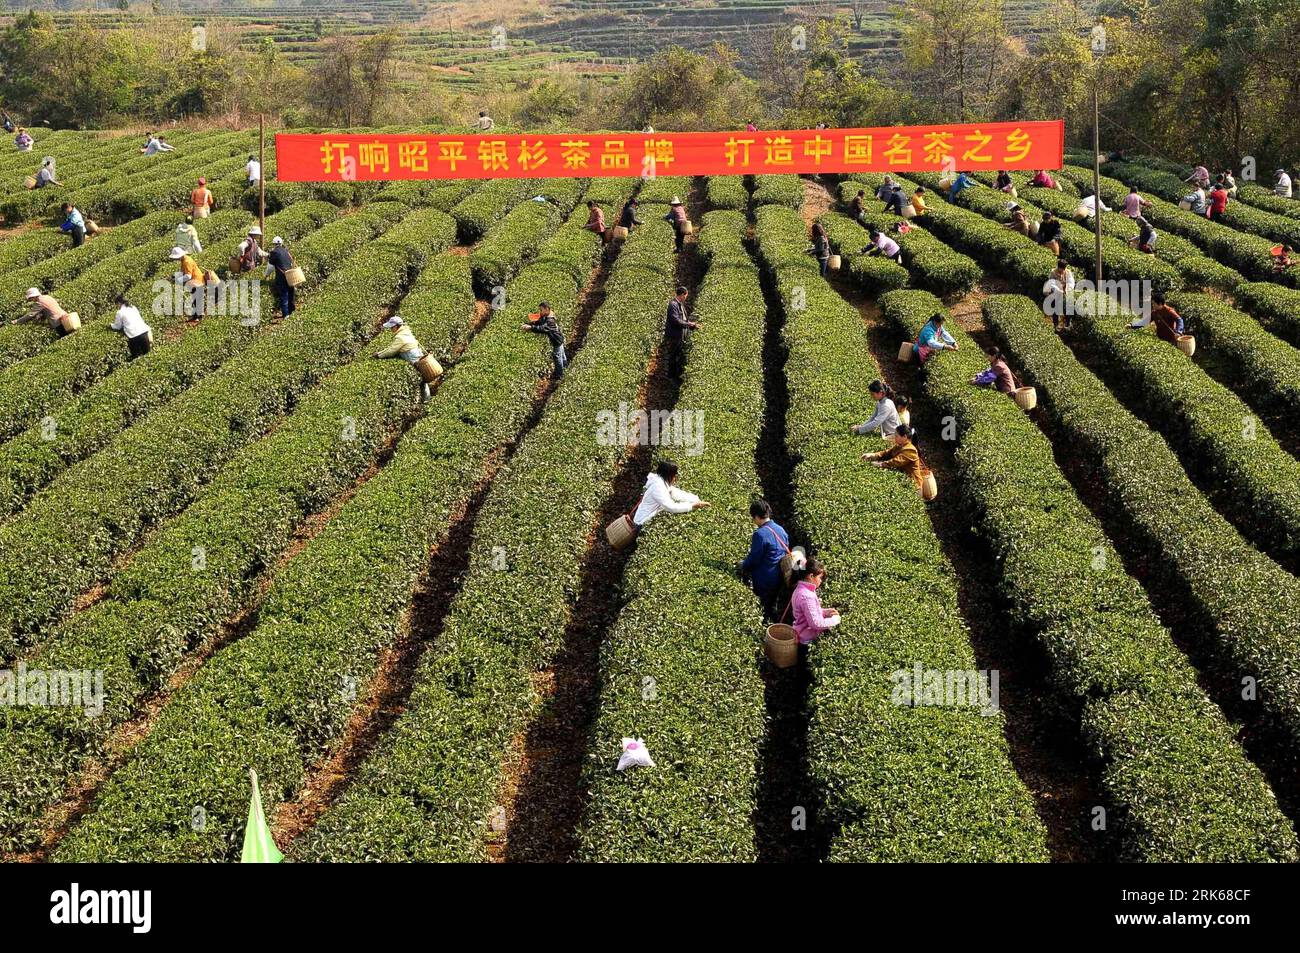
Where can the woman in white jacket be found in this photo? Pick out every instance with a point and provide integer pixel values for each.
(662, 494)
(885, 419)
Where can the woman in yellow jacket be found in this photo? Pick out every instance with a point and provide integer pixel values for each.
(902, 456)
(918, 201)
(192, 277)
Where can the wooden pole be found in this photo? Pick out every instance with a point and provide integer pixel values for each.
(1096, 170)
(261, 173)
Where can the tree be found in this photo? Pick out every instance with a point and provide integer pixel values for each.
(334, 81)
(549, 102)
(377, 64)
(954, 51)
(678, 89)
(859, 8)
(355, 78)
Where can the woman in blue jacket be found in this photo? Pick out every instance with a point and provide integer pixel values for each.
(767, 547)
(933, 337)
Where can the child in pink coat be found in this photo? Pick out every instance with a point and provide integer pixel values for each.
(810, 619)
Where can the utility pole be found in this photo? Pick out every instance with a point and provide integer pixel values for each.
(261, 172)
(1098, 49)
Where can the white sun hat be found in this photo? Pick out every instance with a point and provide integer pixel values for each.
(255, 231)
(393, 322)
(277, 240)
(176, 252)
(33, 293)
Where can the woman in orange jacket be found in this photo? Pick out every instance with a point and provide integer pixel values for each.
(901, 456)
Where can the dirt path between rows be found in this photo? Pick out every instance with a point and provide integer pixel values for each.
(784, 779)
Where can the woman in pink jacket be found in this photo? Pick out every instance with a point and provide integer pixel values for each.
(810, 619)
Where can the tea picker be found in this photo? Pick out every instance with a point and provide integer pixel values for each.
(249, 254)
(661, 495)
(192, 277)
(73, 224)
(201, 200)
(885, 418)
(770, 560)
(543, 322)
(903, 457)
(139, 336)
(406, 347)
(187, 237)
(48, 309)
(287, 276)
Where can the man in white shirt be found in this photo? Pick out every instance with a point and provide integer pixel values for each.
(1056, 293)
(139, 337)
(1283, 186)
(254, 169)
(1088, 207)
(662, 495)
(484, 122)
(157, 145)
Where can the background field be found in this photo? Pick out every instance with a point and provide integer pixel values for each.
(405, 617)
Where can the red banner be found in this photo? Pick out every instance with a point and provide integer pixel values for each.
(969, 147)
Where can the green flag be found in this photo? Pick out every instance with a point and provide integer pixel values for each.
(259, 845)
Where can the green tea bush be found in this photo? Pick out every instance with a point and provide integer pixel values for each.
(1194, 796)
(160, 606)
(1278, 309)
(1238, 215)
(1245, 597)
(1201, 271)
(517, 237)
(1260, 366)
(88, 422)
(328, 614)
(1245, 250)
(727, 192)
(1255, 479)
(475, 213)
(694, 633)
(899, 782)
(156, 468)
(784, 190)
(1264, 199)
(934, 264)
(32, 388)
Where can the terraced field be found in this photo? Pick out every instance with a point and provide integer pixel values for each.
(596, 39)
(433, 47)
(404, 613)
